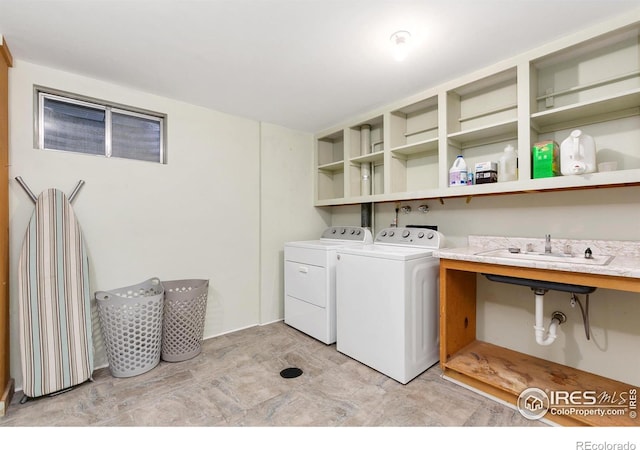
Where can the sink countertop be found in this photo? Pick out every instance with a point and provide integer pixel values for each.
(625, 264)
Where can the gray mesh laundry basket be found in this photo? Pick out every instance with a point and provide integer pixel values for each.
(131, 321)
(185, 304)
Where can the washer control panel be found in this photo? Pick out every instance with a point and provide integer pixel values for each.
(411, 236)
(347, 233)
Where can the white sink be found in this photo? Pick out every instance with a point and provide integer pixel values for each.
(596, 260)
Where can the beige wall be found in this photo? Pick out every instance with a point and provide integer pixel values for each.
(199, 216)
(506, 313)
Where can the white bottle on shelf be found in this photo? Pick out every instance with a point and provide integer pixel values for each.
(458, 172)
(578, 154)
(508, 165)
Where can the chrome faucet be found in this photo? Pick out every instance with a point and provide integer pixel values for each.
(547, 243)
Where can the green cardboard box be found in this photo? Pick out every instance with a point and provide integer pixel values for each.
(545, 159)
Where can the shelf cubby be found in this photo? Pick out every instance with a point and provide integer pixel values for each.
(483, 103)
(330, 149)
(414, 125)
(366, 156)
(330, 166)
(376, 137)
(584, 76)
(414, 142)
(330, 183)
(415, 171)
(482, 118)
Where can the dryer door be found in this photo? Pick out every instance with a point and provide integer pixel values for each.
(306, 282)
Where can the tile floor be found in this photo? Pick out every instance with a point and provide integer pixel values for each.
(235, 381)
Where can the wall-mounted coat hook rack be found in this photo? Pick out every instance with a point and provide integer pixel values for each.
(34, 198)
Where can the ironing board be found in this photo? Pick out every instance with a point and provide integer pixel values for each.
(54, 300)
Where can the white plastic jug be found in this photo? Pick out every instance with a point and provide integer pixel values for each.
(458, 172)
(577, 154)
(507, 169)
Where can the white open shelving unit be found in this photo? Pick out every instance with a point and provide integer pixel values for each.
(588, 81)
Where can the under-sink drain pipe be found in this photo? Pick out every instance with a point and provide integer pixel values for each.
(556, 319)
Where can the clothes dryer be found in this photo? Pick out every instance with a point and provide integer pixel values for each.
(309, 280)
(388, 302)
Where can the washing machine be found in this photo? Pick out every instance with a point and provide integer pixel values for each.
(388, 302)
(310, 280)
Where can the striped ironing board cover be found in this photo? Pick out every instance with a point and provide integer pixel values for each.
(54, 299)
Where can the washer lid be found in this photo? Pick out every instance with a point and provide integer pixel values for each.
(396, 252)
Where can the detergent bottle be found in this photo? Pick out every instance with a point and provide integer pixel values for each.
(458, 172)
(508, 167)
(577, 154)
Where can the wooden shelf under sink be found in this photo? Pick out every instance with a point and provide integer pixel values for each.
(505, 373)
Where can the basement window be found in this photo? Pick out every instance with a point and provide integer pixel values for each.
(72, 123)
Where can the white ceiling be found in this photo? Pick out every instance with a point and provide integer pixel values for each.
(302, 64)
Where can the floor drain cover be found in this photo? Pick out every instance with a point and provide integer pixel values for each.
(291, 372)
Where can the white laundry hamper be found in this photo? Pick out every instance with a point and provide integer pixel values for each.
(185, 305)
(131, 321)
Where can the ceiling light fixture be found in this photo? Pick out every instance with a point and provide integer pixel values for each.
(400, 44)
